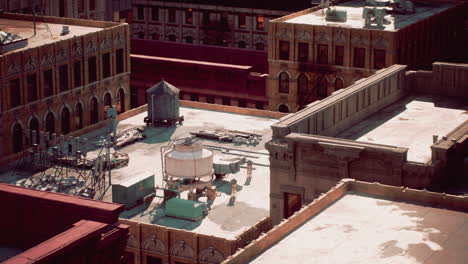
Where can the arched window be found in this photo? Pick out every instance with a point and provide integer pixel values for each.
(108, 100)
(322, 90)
(241, 44)
(189, 39)
(172, 38)
(302, 85)
(338, 84)
(34, 126)
(50, 123)
(65, 115)
(259, 46)
(121, 102)
(283, 108)
(94, 111)
(17, 135)
(283, 83)
(78, 116)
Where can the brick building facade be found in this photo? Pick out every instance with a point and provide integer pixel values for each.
(241, 24)
(61, 83)
(311, 57)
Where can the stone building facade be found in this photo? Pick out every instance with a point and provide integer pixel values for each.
(309, 155)
(240, 24)
(61, 84)
(311, 57)
(110, 10)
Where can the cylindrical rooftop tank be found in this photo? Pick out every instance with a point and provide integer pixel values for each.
(163, 102)
(188, 159)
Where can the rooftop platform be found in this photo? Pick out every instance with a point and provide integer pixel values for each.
(411, 123)
(252, 202)
(361, 228)
(25, 29)
(354, 11)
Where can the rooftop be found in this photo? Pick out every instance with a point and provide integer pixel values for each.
(411, 122)
(252, 202)
(46, 32)
(354, 9)
(361, 228)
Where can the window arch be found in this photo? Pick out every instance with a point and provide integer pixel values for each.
(78, 116)
(283, 108)
(34, 126)
(50, 123)
(322, 90)
(65, 115)
(338, 84)
(108, 100)
(94, 111)
(121, 101)
(17, 135)
(284, 82)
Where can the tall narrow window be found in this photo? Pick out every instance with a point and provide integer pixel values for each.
(224, 18)
(242, 44)
(260, 22)
(242, 21)
(62, 8)
(172, 15)
(283, 83)
(302, 85)
(63, 77)
(31, 81)
(359, 57)
(303, 49)
(339, 55)
(140, 13)
(154, 13)
(15, 92)
(322, 54)
(205, 17)
(338, 84)
(379, 59)
(48, 83)
(119, 57)
(189, 16)
(92, 5)
(284, 50)
(322, 90)
(80, 6)
(77, 74)
(92, 70)
(189, 39)
(106, 65)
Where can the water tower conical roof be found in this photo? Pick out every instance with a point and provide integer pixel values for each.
(163, 87)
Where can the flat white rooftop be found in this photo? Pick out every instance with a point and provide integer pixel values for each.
(411, 123)
(43, 36)
(354, 11)
(364, 229)
(252, 202)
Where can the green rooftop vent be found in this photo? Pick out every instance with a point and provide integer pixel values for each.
(185, 209)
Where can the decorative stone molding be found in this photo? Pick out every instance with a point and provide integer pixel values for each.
(14, 68)
(283, 33)
(304, 35)
(119, 39)
(76, 49)
(339, 37)
(322, 36)
(132, 241)
(105, 44)
(260, 39)
(211, 255)
(153, 244)
(62, 55)
(181, 249)
(360, 40)
(31, 64)
(47, 59)
(91, 47)
(380, 42)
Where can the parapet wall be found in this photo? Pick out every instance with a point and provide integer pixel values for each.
(281, 230)
(446, 79)
(346, 107)
(171, 245)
